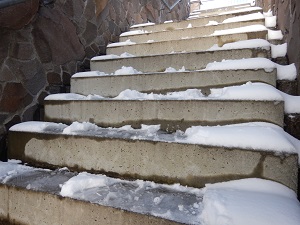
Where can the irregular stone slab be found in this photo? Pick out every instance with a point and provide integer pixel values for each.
(183, 45)
(159, 63)
(191, 32)
(111, 86)
(150, 156)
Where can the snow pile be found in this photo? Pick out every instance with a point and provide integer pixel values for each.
(258, 135)
(118, 44)
(279, 50)
(126, 70)
(275, 35)
(76, 127)
(271, 21)
(173, 70)
(248, 91)
(284, 72)
(248, 202)
(133, 32)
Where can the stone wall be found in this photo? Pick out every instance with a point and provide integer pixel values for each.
(44, 42)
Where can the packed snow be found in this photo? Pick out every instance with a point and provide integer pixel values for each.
(112, 56)
(284, 72)
(271, 21)
(275, 35)
(246, 29)
(244, 202)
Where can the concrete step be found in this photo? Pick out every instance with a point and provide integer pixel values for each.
(246, 103)
(191, 32)
(202, 21)
(207, 155)
(159, 63)
(36, 196)
(111, 85)
(217, 11)
(187, 45)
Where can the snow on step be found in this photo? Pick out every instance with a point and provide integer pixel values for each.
(111, 85)
(151, 27)
(159, 63)
(140, 36)
(93, 200)
(259, 150)
(188, 45)
(100, 199)
(250, 102)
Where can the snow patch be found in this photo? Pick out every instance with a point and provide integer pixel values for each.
(143, 25)
(173, 70)
(279, 50)
(252, 16)
(275, 35)
(118, 44)
(133, 32)
(246, 29)
(271, 21)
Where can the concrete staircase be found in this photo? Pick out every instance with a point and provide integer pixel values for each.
(154, 153)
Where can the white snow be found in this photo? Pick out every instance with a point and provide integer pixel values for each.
(253, 43)
(248, 202)
(284, 72)
(126, 55)
(190, 26)
(112, 56)
(212, 23)
(33, 126)
(252, 16)
(133, 32)
(271, 21)
(279, 50)
(268, 14)
(245, 29)
(124, 43)
(81, 182)
(143, 25)
(77, 127)
(173, 70)
(89, 74)
(255, 136)
(275, 35)
(126, 70)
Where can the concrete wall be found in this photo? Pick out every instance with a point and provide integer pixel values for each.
(44, 42)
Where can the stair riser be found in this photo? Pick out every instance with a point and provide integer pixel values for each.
(111, 86)
(195, 22)
(170, 114)
(191, 61)
(187, 45)
(155, 161)
(191, 32)
(21, 206)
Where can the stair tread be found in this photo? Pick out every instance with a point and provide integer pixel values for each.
(125, 151)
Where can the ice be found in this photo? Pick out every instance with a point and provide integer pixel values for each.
(275, 35)
(271, 21)
(252, 16)
(284, 72)
(118, 44)
(279, 50)
(248, 202)
(246, 29)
